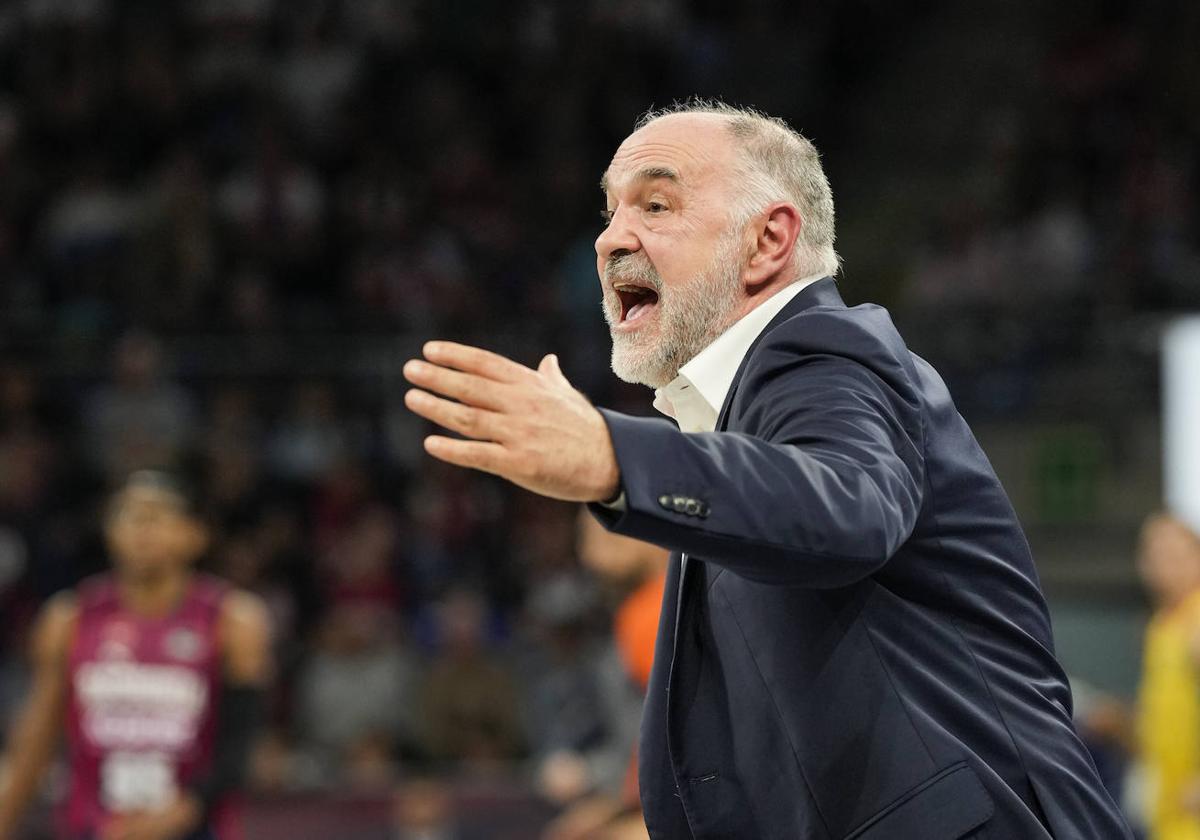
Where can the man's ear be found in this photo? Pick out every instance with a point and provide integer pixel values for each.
(775, 231)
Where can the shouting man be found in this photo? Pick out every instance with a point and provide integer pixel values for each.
(853, 641)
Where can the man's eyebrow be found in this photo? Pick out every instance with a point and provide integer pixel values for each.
(648, 173)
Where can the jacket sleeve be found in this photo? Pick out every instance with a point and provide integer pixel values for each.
(822, 491)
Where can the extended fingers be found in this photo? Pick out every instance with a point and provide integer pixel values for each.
(478, 423)
(479, 455)
(464, 387)
(475, 360)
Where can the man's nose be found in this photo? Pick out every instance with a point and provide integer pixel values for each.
(617, 238)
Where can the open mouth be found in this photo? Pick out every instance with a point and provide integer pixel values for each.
(636, 301)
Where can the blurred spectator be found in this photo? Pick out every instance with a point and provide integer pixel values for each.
(470, 703)
(1169, 700)
(173, 271)
(582, 710)
(457, 517)
(277, 766)
(360, 566)
(357, 696)
(28, 450)
(273, 206)
(311, 438)
(636, 572)
(319, 72)
(424, 810)
(232, 423)
(140, 419)
(1108, 727)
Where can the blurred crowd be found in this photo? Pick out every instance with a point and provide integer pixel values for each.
(442, 624)
(224, 224)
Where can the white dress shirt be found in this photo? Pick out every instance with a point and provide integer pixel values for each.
(695, 396)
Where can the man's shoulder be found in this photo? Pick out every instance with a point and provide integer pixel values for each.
(862, 334)
(820, 357)
(870, 320)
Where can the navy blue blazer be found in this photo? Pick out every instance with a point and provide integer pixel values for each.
(854, 643)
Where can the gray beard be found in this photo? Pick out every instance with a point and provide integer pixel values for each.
(689, 316)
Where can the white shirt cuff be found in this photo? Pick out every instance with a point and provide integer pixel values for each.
(617, 504)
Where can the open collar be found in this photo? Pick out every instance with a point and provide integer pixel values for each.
(694, 398)
(824, 292)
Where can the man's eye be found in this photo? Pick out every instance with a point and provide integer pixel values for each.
(656, 207)
(606, 216)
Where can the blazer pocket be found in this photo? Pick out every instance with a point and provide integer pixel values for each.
(944, 807)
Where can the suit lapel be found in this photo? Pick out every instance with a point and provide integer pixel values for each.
(821, 293)
(824, 292)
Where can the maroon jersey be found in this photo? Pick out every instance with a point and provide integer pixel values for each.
(142, 698)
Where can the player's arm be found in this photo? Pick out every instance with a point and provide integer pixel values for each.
(35, 730)
(245, 637)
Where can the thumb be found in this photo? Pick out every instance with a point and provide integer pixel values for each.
(549, 367)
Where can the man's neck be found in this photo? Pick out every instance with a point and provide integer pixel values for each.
(760, 294)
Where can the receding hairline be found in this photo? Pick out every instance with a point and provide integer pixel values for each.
(703, 109)
(741, 123)
(775, 161)
(716, 121)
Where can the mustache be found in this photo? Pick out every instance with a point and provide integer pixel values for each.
(632, 268)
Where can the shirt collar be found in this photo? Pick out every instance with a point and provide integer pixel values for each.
(696, 395)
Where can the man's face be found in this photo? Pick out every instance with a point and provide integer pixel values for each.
(669, 260)
(149, 533)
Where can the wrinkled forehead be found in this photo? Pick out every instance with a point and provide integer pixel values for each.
(694, 150)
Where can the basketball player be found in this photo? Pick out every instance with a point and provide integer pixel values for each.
(155, 673)
(1168, 701)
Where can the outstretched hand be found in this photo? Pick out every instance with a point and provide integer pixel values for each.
(528, 426)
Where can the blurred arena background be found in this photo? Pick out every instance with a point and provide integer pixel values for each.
(225, 224)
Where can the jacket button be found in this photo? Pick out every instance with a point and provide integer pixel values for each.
(693, 507)
(664, 501)
(680, 504)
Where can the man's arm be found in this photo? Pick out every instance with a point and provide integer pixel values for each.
(35, 730)
(822, 494)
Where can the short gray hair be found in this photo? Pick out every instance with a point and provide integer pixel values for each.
(780, 164)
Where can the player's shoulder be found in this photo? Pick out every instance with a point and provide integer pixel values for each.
(243, 612)
(55, 627)
(62, 606)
